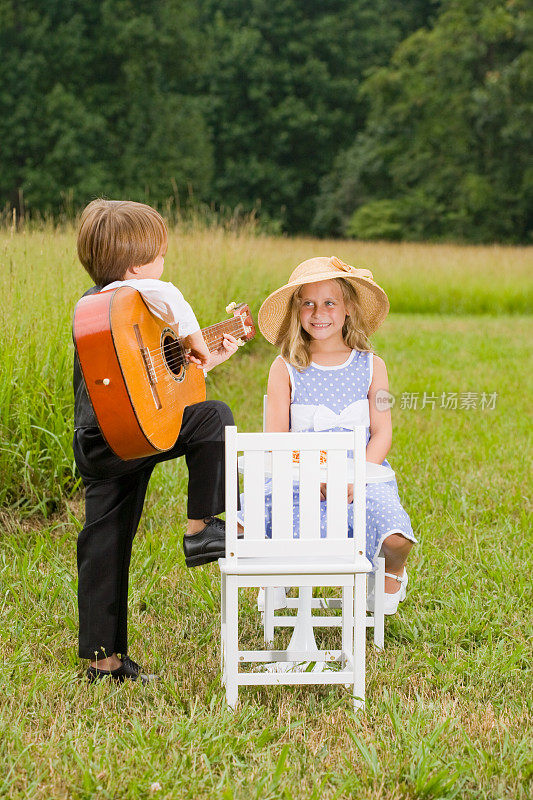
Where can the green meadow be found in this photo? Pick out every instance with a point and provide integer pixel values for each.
(448, 710)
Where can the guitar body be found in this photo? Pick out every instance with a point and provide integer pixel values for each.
(136, 370)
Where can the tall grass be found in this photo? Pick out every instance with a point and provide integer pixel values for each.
(41, 280)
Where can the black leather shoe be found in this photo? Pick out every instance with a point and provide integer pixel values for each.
(128, 671)
(207, 545)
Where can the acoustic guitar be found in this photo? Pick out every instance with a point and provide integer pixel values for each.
(136, 370)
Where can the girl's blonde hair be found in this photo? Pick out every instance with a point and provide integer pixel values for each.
(296, 345)
(116, 235)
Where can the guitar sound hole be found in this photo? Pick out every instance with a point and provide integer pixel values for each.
(174, 355)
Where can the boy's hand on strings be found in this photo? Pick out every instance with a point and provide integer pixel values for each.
(323, 492)
(198, 352)
(228, 347)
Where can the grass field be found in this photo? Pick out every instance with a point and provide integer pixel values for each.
(449, 700)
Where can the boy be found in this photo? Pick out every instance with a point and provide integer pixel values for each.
(122, 241)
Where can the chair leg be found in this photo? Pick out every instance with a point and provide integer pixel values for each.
(223, 627)
(347, 624)
(232, 639)
(379, 602)
(359, 641)
(268, 616)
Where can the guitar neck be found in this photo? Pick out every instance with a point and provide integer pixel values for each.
(214, 334)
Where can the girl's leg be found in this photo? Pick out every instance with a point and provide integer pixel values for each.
(395, 548)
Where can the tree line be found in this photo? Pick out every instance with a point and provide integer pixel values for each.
(376, 119)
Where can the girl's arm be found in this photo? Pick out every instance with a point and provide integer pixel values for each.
(380, 420)
(278, 397)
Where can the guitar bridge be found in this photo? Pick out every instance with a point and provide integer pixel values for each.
(149, 367)
(148, 363)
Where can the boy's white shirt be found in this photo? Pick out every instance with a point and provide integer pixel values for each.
(165, 301)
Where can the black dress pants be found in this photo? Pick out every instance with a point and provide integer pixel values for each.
(114, 498)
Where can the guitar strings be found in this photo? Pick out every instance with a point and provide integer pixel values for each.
(172, 362)
(158, 356)
(179, 359)
(209, 340)
(160, 366)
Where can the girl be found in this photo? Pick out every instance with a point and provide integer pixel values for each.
(328, 378)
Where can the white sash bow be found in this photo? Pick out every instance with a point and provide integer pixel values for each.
(322, 418)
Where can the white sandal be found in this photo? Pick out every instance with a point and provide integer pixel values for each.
(391, 600)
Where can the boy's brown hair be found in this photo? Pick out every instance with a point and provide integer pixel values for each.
(116, 235)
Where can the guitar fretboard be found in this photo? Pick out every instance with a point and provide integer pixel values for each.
(214, 334)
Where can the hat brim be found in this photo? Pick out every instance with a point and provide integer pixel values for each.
(274, 315)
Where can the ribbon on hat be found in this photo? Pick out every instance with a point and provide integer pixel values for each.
(355, 414)
(338, 264)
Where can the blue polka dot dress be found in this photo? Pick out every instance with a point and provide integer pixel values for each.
(339, 395)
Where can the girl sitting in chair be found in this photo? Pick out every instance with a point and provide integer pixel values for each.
(328, 378)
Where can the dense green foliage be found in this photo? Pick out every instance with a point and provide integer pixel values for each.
(369, 118)
(283, 86)
(444, 152)
(97, 98)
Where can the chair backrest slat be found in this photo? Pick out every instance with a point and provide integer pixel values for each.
(292, 441)
(336, 493)
(309, 494)
(359, 490)
(297, 548)
(254, 508)
(231, 491)
(282, 497)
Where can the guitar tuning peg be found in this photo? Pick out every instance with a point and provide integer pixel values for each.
(240, 342)
(231, 307)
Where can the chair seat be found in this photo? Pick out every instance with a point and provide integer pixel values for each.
(300, 566)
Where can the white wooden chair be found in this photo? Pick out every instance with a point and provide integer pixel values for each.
(375, 584)
(307, 561)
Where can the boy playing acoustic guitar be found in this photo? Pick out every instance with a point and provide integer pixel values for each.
(125, 242)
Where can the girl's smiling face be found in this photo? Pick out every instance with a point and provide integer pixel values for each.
(322, 310)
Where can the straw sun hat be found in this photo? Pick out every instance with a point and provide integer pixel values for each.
(274, 314)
